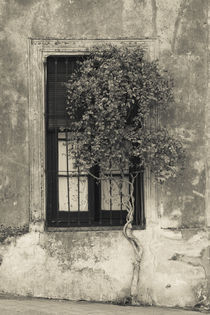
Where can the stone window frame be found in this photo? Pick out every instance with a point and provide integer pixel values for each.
(39, 50)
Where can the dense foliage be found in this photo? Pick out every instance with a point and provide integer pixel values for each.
(113, 99)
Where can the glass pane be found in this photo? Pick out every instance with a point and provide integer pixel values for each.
(62, 158)
(111, 194)
(64, 150)
(75, 198)
(61, 135)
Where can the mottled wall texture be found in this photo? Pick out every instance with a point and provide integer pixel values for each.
(97, 265)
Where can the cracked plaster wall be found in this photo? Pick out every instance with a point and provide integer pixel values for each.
(98, 266)
(38, 261)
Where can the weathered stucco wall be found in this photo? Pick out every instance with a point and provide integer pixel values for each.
(98, 265)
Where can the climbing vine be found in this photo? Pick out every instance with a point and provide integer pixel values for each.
(113, 100)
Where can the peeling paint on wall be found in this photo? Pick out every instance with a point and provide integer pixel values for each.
(98, 265)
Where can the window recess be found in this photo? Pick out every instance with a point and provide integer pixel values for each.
(74, 197)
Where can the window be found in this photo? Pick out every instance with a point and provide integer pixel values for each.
(74, 197)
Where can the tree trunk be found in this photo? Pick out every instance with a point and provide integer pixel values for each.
(138, 250)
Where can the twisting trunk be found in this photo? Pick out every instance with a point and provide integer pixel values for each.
(138, 250)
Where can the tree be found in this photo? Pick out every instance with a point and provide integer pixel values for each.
(112, 101)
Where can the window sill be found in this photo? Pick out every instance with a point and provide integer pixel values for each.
(90, 228)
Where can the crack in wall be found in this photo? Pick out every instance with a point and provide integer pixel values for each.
(183, 6)
(201, 293)
(154, 17)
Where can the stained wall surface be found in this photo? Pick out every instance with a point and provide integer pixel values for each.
(97, 265)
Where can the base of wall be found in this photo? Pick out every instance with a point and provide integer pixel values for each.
(97, 266)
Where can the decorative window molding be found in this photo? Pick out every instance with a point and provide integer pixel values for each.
(39, 50)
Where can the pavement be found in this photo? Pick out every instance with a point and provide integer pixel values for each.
(36, 306)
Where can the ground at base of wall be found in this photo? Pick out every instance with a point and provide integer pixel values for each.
(25, 305)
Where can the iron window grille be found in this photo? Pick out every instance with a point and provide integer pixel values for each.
(74, 197)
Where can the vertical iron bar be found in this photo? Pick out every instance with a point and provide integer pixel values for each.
(93, 196)
(50, 184)
(110, 194)
(67, 169)
(137, 196)
(100, 197)
(129, 185)
(121, 195)
(67, 149)
(78, 186)
(121, 205)
(142, 200)
(90, 196)
(56, 139)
